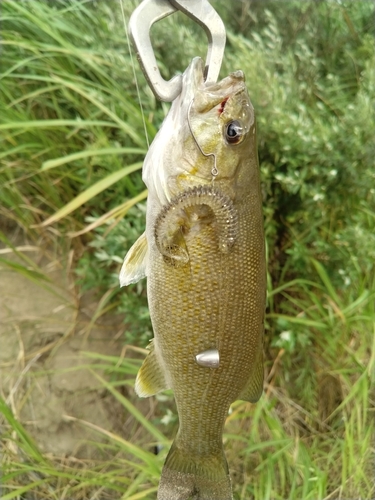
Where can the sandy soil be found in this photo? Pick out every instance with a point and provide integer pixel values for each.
(44, 373)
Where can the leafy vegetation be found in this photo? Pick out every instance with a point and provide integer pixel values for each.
(73, 137)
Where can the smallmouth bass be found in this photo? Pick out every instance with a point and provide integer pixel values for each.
(204, 257)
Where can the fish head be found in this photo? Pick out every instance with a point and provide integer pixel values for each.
(222, 124)
(209, 133)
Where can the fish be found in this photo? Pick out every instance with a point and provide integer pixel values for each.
(203, 254)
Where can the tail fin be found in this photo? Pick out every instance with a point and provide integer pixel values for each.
(186, 477)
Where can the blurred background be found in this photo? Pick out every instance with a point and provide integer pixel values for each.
(73, 135)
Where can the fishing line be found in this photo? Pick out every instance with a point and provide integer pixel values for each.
(134, 73)
(214, 171)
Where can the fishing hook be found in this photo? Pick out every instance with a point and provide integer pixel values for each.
(214, 171)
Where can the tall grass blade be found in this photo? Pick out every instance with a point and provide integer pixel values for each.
(46, 124)
(92, 191)
(18, 493)
(26, 442)
(116, 213)
(160, 438)
(327, 282)
(88, 154)
(146, 457)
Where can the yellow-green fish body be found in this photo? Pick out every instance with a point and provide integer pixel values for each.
(203, 254)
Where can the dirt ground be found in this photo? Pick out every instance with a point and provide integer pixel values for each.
(44, 373)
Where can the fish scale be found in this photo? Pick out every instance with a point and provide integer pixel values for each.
(183, 326)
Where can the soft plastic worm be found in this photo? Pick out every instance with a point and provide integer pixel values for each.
(220, 204)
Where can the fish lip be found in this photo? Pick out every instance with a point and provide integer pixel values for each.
(236, 77)
(193, 79)
(194, 82)
(208, 97)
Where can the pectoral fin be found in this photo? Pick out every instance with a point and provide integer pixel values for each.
(174, 250)
(134, 266)
(254, 388)
(151, 377)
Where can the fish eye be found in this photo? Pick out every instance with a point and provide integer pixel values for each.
(234, 132)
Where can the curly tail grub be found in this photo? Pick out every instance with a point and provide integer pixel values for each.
(222, 207)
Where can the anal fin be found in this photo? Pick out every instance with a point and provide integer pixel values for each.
(254, 388)
(151, 377)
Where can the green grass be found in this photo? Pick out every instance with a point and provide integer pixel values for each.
(292, 444)
(72, 140)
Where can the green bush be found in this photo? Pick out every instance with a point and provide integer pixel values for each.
(312, 82)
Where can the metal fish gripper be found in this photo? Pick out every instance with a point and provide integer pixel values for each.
(151, 11)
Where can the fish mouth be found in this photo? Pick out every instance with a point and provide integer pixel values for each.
(208, 95)
(236, 77)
